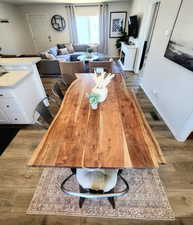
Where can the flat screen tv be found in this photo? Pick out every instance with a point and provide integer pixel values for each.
(133, 26)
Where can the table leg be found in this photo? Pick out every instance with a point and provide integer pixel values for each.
(81, 200)
(111, 199)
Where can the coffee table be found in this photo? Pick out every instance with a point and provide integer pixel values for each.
(85, 58)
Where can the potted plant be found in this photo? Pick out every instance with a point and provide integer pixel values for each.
(123, 38)
(93, 100)
(89, 51)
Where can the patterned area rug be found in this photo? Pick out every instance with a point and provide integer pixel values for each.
(146, 198)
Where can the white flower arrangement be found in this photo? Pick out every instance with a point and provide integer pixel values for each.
(103, 80)
(99, 92)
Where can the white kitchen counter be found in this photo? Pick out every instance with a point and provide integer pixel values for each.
(19, 61)
(21, 90)
(12, 78)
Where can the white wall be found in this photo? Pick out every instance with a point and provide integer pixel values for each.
(183, 25)
(63, 37)
(169, 85)
(118, 6)
(49, 10)
(143, 9)
(14, 36)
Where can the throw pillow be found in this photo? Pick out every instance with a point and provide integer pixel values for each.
(62, 51)
(81, 48)
(94, 47)
(50, 56)
(70, 48)
(74, 57)
(59, 46)
(43, 55)
(53, 51)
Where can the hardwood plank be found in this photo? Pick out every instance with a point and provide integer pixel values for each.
(134, 129)
(111, 132)
(116, 135)
(74, 139)
(182, 203)
(122, 221)
(22, 219)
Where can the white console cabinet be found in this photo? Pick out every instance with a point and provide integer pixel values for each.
(127, 56)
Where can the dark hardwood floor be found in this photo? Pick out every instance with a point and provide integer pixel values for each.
(18, 183)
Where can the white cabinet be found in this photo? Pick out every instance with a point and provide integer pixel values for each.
(3, 117)
(11, 111)
(127, 56)
(20, 91)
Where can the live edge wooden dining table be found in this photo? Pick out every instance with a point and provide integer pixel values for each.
(116, 135)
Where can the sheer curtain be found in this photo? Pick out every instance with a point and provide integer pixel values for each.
(103, 28)
(87, 19)
(72, 23)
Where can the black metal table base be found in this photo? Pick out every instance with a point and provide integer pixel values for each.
(89, 193)
(82, 190)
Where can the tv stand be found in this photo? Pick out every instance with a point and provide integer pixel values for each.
(127, 56)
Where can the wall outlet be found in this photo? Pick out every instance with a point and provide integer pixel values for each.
(167, 33)
(155, 93)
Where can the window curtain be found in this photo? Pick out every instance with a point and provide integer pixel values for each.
(71, 18)
(103, 28)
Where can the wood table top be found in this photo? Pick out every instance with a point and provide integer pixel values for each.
(116, 135)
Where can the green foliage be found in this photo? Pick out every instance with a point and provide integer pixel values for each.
(124, 38)
(93, 98)
(89, 50)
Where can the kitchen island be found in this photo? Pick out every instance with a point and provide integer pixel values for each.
(21, 90)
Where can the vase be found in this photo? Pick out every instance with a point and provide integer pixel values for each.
(89, 55)
(94, 106)
(102, 92)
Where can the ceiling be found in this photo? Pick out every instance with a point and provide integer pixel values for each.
(57, 1)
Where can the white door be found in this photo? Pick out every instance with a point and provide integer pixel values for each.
(40, 30)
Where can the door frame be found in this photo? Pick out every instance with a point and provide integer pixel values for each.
(146, 21)
(152, 23)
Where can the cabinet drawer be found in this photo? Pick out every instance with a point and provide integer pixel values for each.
(10, 105)
(12, 110)
(5, 94)
(16, 118)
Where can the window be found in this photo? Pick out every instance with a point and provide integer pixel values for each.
(88, 29)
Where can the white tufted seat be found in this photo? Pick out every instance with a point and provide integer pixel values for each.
(97, 179)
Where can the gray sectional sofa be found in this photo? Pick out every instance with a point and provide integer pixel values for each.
(51, 66)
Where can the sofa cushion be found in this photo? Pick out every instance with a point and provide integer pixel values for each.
(59, 46)
(43, 54)
(70, 48)
(74, 57)
(94, 47)
(62, 51)
(53, 51)
(49, 56)
(48, 67)
(80, 48)
(63, 57)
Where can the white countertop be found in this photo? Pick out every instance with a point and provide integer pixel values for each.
(19, 61)
(13, 77)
